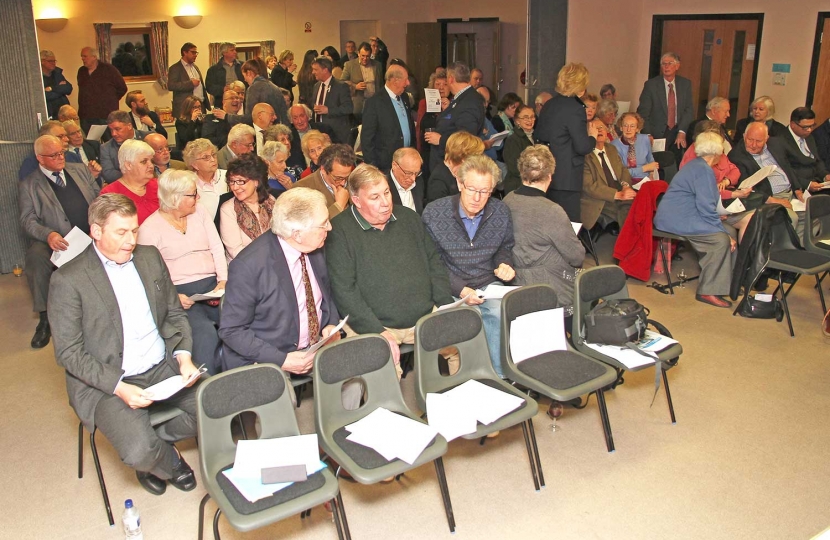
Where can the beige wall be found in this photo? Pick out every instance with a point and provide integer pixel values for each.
(613, 40)
(280, 20)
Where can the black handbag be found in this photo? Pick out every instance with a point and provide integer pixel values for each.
(616, 322)
(758, 309)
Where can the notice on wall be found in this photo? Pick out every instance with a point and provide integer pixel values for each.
(750, 51)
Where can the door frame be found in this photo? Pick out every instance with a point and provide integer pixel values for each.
(657, 38)
(811, 84)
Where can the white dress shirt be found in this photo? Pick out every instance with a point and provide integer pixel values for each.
(405, 194)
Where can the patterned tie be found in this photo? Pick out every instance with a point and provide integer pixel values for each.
(78, 152)
(609, 177)
(321, 100)
(58, 180)
(672, 107)
(311, 309)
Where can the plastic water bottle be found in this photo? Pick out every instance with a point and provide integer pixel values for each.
(131, 521)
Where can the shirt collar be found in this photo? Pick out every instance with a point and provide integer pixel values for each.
(397, 185)
(796, 137)
(49, 174)
(461, 92)
(391, 93)
(464, 215)
(292, 254)
(365, 225)
(327, 81)
(107, 262)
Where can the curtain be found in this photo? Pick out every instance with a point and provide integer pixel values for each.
(213, 52)
(102, 41)
(158, 38)
(266, 49)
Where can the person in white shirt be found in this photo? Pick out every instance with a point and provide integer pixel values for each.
(404, 179)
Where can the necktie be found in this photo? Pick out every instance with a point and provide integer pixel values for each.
(672, 103)
(804, 149)
(609, 177)
(58, 180)
(321, 100)
(78, 152)
(311, 309)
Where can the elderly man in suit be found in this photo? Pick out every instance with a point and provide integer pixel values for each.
(332, 99)
(86, 150)
(464, 113)
(56, 129)
(52, 199)
(141, 116)
(216, 130)
(387, 121)
(185, 79)
(241, 140)
(404, 179)
(717, 110)
(222, 73)
(336, 164)
(121, 130)
(803, 153)
(666, 105)
(364, 76)
(301, 124)
(119, 328)
(606, 186)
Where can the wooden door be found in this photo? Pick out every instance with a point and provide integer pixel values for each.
(821, 88)
(423, 50)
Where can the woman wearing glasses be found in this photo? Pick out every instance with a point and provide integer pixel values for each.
(189, 122)
(184, 234)
(522, 137)
(634, 147)
(247, 215)
(200, 157)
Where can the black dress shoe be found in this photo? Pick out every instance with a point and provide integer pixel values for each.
(183, 477)
(613, 229)
(42, 334)
(151, 482)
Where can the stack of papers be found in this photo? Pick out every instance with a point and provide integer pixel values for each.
(166, 388)
(392, 435)
(494, 291)
(652, 343)
(458, 411)
(800, 206)
(77, 240)
(658, 145)
(254, 455)
(537, 333)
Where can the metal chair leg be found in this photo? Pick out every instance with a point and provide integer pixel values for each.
(80, 450)
(530, 457)
(335, 511)
(445, 492)
(343, 519)
(660, 244)
(216, 524)
(536, 452)
(821, 295)
(784, 302)
(202, 515)
(606, 424)
(100, 476)
(668, 397)
(589, 245)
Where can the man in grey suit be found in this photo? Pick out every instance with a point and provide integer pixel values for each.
(119, 328)
(260, 90)
(52, 199)
(121, 129)
(185, 79)
(332, 99)
(364, 77)
(241, 140)
(666, 105)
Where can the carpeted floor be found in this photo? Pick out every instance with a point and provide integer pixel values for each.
(746, 459)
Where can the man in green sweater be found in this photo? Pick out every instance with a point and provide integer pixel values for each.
(385, 272)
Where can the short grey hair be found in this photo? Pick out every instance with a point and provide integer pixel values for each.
(708, 143)
(48, 126)
(302, 106)
(132, 150)
(536, 163)
(173, 185)
(236, 86)
(110, 203)
(119, 116)
(92, 51)
(240, 131)
(40, 142)
(270, 149)
(294, 210)
(46, 53)
(459, 71)
(194, 148)
(606, 106)
(72, 124)
(272, 133)
(716, 102)
(480, 164)
(225, 47)
(364, 175)
(396, 72)
(673, 55)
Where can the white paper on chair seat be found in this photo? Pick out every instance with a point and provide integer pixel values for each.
(450, 420)
(253, 489)
(652, 343)
(487, 404)
(254, 455)
(641, 183)
(392, 435)
(537, 333)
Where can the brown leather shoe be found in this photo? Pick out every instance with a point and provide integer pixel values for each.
(713, 300)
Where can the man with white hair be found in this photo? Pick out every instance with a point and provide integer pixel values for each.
(241, 140)
(717, 110)
(301, 123)
(100, 86)
(387, 121)
(56, 129)
(122, 130)
(216, 130)
(540, 101)
(54, 83)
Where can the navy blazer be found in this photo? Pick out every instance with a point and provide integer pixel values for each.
(339, 101)
(465, 113)
(748, 166)
(417, 192)
(260, 319)
(381, 134)
(563, 126)
(653, 106)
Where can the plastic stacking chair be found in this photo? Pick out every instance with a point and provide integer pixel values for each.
(559, 375)
(260, 389)
(817, 226)
(462, 328)
(369, 359)
(159, 414)
(608, 283)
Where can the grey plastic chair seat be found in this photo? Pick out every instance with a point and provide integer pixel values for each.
(561, 369)
(363, 456)
(800, 261)
(295, 490)
(657, 233)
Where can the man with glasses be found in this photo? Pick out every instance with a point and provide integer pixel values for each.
(387, 121)
(56, 129)
(336, 164)
(216, 130)
(403, 179)
(185, 79)
(803, 152)
(473, 233)
(241, 140)
(666, 106)
(53, 199)
(161, 158)
(54, 84)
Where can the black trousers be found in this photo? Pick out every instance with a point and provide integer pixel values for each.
(204, 320)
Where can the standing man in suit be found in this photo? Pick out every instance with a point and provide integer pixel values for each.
(223, 72)
(803, 153)
(52, 200)
(332, 99)
(54, 84)
(121, 130)
(141, 116)
(336, 164)
(120, 328)
(666, 105)
(404, 179)
(100, 86)
(387, 121)
(185, 79)
(349, 53)
(363, 75)
(464, 113)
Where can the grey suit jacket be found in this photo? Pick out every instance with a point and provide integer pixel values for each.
(352, 74)
(262, 91)
(339, 101)
(178, 82)
(224, 156)
(110, 171)
(653, 106)
(40, 211)
(87, 328)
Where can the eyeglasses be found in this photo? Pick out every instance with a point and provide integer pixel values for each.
(194, 195)
(630, 126)
(207, 157)
(193, 52)
(249, 145)
(408, 174)
(807, 128)
(668, 63)
(325, 226)
(338, 178)
(531, 117)
(53, 156)
(162, 150)
(479, 192)
(238, 182)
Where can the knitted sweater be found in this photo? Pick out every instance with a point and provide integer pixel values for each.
(471, 263)
(384, 279)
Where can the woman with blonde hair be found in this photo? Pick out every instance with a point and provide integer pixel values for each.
(760, 110)
(282, 73)
(563, 126)
(313, 145)
(442, 182)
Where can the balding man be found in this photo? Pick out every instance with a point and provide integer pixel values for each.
(540, 101)
(54, 83)
(161, 158)
(68, 113)
(301, 122)
(52, 200)
(100, 86)
(717, 110)
(121, 130)
(476, 78)
(263, 117)
(241, 140)
(404, 179)
(56, 129)
(260, 90)
(216, 130)
(387, 121)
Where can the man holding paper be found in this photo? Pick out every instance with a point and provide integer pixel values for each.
(803, 152)
(52, 199)
(119, 328)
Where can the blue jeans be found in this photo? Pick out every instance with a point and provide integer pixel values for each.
(491, 316)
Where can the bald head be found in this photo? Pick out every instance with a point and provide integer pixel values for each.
(159, 145)
(263, 115)
(756, 137)
(540, 101)
(406, 166)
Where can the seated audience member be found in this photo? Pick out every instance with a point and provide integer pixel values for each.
(591, 101)
(442, 181)
(634, 147)
(607, 112)
(547, 249)
(506, 111)
(279, 180)
(301, 123)
(607, 91)
(404, 179)
(803, 155)
(184, 234)
(241, 140)
(114, 343)
(52, 200)
(67, 113)
(726, 173)
(379, 253)
(282, 72)
(263, 118)
(760, 110)
(294, 165)
(313, 145)
(55, 129)
(540, 101)
(606, 186)
(121, 129)
(247, 215)
(200, 157)
(189, 122)
(515, 144)
(216, 130)
(161, 158)
(718, 111)
(336, 164)
(137, 181)
(240, 88)
(78, 145)
(142, 117)
(689, 208)
(473, 233)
